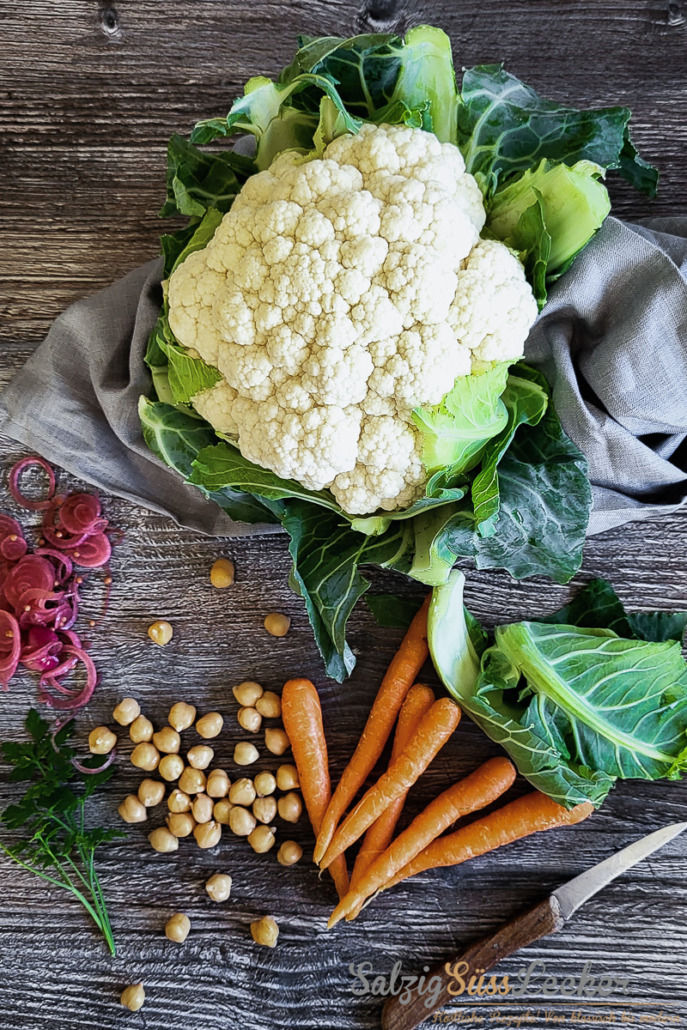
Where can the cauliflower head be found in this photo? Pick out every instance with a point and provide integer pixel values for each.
(339, 294)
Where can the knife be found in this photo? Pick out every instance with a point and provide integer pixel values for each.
(545, 918)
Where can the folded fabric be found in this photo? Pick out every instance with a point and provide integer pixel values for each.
(612, 341)
(75, 401)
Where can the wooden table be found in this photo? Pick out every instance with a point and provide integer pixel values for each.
(89, 94)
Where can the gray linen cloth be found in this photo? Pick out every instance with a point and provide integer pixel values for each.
(612, 342)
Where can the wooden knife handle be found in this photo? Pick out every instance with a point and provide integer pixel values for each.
(540, 921)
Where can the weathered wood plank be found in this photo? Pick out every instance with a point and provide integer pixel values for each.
(219, 641)
(91, 162)
(88, 96)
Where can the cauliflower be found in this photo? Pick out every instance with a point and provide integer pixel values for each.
(338, 295)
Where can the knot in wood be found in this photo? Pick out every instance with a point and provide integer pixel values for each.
(675, 14)
(382, 16)
(109, 22)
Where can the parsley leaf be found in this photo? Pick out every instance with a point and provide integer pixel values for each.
(56, 845)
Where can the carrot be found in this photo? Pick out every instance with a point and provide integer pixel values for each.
(302, 718)
(432, 732)
(405, 665)
(471, 793)
(378, 837)
(529, 814)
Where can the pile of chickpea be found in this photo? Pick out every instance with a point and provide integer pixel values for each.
(201, 799)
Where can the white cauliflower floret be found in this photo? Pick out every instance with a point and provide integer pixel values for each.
(339, 294)
(318, 441)
(387, 471)
(493, 307)
(217, 406)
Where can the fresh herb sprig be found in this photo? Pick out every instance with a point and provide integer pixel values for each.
(56, 845)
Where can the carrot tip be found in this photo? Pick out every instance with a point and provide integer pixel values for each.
(334, 918)
(323, 838)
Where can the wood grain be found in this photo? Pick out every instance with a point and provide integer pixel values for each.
(89, 93)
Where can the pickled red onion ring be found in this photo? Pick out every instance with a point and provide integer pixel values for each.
(39, 591)
(14, 483)
(12, 547)
(9, 525)
(9, 655)
(62, 559)
(58, 537)
(79, 513)
(93, 552)
(72, 638)
(29, 573)
(72, 699)
(109, 759)
(41, 649)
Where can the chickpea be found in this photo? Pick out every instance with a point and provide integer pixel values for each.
(218, 784)
(132, 810)
(221, 810)
(276, 741)
(287, 777)
(262, 838)
(163, 840)
(290, 807)
(269, 705)
(202, 808)
(101, 740)
(245, 753)
(160, 632)
(265, 809)
(141, 730)
(265, 931)
(242, 791)
(181, 716)
(151, 793)
(171, 767)
(178, 928)
(249, 719)
(133, 997)
(265, 784)
(210, 725)
(126, 711)
(167, 740)
(200, 756)
(181, 824)
(289, 853)
(222, 573)
(192, 781)
(241, 821)
(208, 834)
(178, 801)
(146, 757)
(247, 693)
(277, 625)
(219, 886)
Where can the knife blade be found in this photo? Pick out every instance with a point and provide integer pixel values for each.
(583, 887)
(545, 918)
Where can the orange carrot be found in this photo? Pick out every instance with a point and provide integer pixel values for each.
(529, 814)
(473, 792)
(419, 700)
(401, 674)
(302, 718)
(432, 732)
